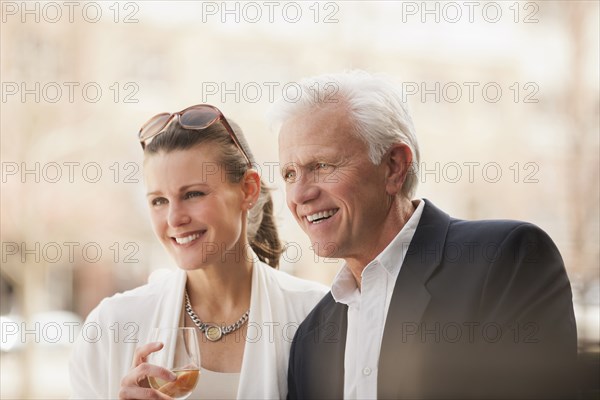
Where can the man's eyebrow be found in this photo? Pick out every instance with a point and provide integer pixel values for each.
(314, 157)
(286, 168)
(296, 164)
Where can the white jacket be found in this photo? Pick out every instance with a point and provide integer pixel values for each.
(104, 350)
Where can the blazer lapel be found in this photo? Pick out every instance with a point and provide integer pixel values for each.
(398, 373)
(329, 370)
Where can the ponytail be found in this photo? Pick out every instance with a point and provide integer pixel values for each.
(265, 241)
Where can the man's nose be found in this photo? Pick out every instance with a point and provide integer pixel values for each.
(304, 190)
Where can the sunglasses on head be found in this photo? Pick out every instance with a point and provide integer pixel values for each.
(196, 117)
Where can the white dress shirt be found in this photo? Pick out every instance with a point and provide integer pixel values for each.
(368, 308)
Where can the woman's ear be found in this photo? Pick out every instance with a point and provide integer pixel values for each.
(251, 188)
(398, 162)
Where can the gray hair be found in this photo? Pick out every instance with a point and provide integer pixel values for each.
(375, 106)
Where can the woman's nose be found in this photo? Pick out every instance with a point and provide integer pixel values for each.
(178, 215)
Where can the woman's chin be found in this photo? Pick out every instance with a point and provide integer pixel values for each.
(190, 266)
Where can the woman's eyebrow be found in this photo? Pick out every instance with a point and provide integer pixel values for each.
(181, 189)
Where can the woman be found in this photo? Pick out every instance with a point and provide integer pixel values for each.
(214, 216)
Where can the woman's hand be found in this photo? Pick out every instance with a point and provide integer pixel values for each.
(135, 384)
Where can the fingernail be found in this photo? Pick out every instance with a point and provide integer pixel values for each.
(173, 377)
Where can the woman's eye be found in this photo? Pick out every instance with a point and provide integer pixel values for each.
(159, 201)
(190, 195)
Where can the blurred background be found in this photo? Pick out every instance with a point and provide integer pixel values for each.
(504, 97)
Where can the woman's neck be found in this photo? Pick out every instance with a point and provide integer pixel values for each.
(221, 290)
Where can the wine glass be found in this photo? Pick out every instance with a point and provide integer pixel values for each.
(180, 355)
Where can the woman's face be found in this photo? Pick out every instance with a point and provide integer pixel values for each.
(197, 214)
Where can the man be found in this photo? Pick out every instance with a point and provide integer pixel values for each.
(426, 306)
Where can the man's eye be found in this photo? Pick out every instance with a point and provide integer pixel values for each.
(190, 195)
(324, 167)
(289, 176)
(159, 201)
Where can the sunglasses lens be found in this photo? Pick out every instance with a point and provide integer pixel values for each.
(196, 117)
(154, 125)
(199, 118)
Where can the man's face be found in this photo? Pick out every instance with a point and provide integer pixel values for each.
(333, 190)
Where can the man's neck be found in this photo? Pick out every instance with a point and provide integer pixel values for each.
(398, 217)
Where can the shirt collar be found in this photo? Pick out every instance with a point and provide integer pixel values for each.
(344, 289)
(393, 255)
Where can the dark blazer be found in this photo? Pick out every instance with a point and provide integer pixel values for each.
(480, 309)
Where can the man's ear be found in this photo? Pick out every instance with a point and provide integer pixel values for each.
(398, 160)
(251, 188)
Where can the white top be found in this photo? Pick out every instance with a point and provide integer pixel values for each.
(103, 352)
(216, 385)
(367, 310)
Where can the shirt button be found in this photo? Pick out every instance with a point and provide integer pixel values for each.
(367, 371)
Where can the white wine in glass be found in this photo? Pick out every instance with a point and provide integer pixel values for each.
(180, 354)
